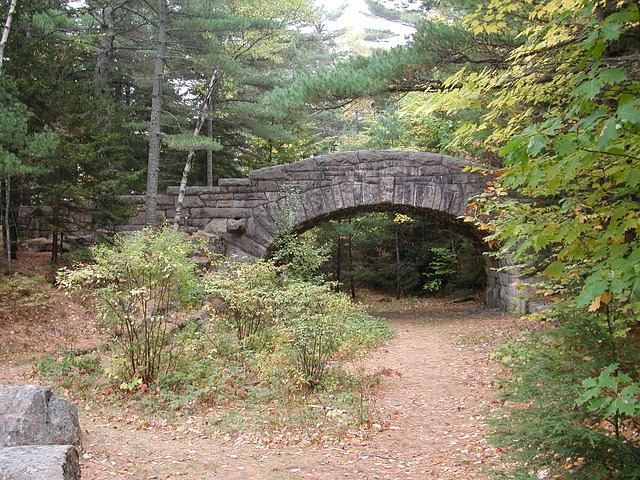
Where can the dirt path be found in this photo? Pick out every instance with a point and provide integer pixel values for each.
(435, 394)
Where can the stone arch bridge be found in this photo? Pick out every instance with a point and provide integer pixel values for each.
(245, 215)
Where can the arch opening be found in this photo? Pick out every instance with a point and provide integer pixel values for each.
(458, 258)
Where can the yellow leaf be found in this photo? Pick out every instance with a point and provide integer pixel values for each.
(595, 305)
(606, 298)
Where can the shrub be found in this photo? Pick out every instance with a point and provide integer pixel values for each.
(312, 328)
(442, 265)
(290, 321)
(140, 282)
(79, 373)
(245, 294)
(555, 421)
(301, 255)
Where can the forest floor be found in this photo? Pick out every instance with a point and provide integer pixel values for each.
(437, 391)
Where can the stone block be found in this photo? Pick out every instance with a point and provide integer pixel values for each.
(404, 193)
(166, 200)
(33, 415)
(234, 182)
(237, 226)
(336, 193)
(385, 193)
(215, 243)
(260, 228)
(301, 166)
(243, 246)
(250, 197)
(334, 159)
(314, 204)
(328, 199)
(194, 190)
(213, 212)
(267, 186)
(215, 226)
(39, 462)
(306, 176)
(137, 220)
(194, 201)
(268, 173)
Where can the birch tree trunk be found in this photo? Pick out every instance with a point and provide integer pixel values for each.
(155, 127)
(204, 109)
(5, 29)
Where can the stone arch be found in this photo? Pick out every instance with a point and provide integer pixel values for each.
(246, 215)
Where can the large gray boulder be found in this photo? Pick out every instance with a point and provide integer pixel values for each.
(39, 462)
(33, 415)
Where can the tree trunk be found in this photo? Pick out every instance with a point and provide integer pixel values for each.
(398, 265)
(338, 260)
(55, 223)
(5, 29)
(352, 279)
(7, 223)
(155, 127)
(104, 62)
(210, 150)
(204, 109)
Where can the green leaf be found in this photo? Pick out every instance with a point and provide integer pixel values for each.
(589, 89)
(633, 178)
(555, 269)
(588, 395)
(613, 75)
(536, 144)
(563, 146)
(609, 133)
(611, 31)
(599, 403)
(631, 391)
(620, 405)
(630, 112)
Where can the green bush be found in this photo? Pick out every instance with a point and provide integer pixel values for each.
(19, 291)
(140, 282)
(245, 294)
(556, 421)
(312, 328)
(291, 323)
(79, 373)
(442, 265)
(301, 254)
(265, 350)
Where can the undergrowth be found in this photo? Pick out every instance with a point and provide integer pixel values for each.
(263, 352)
(23, 292)
(546, 430)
